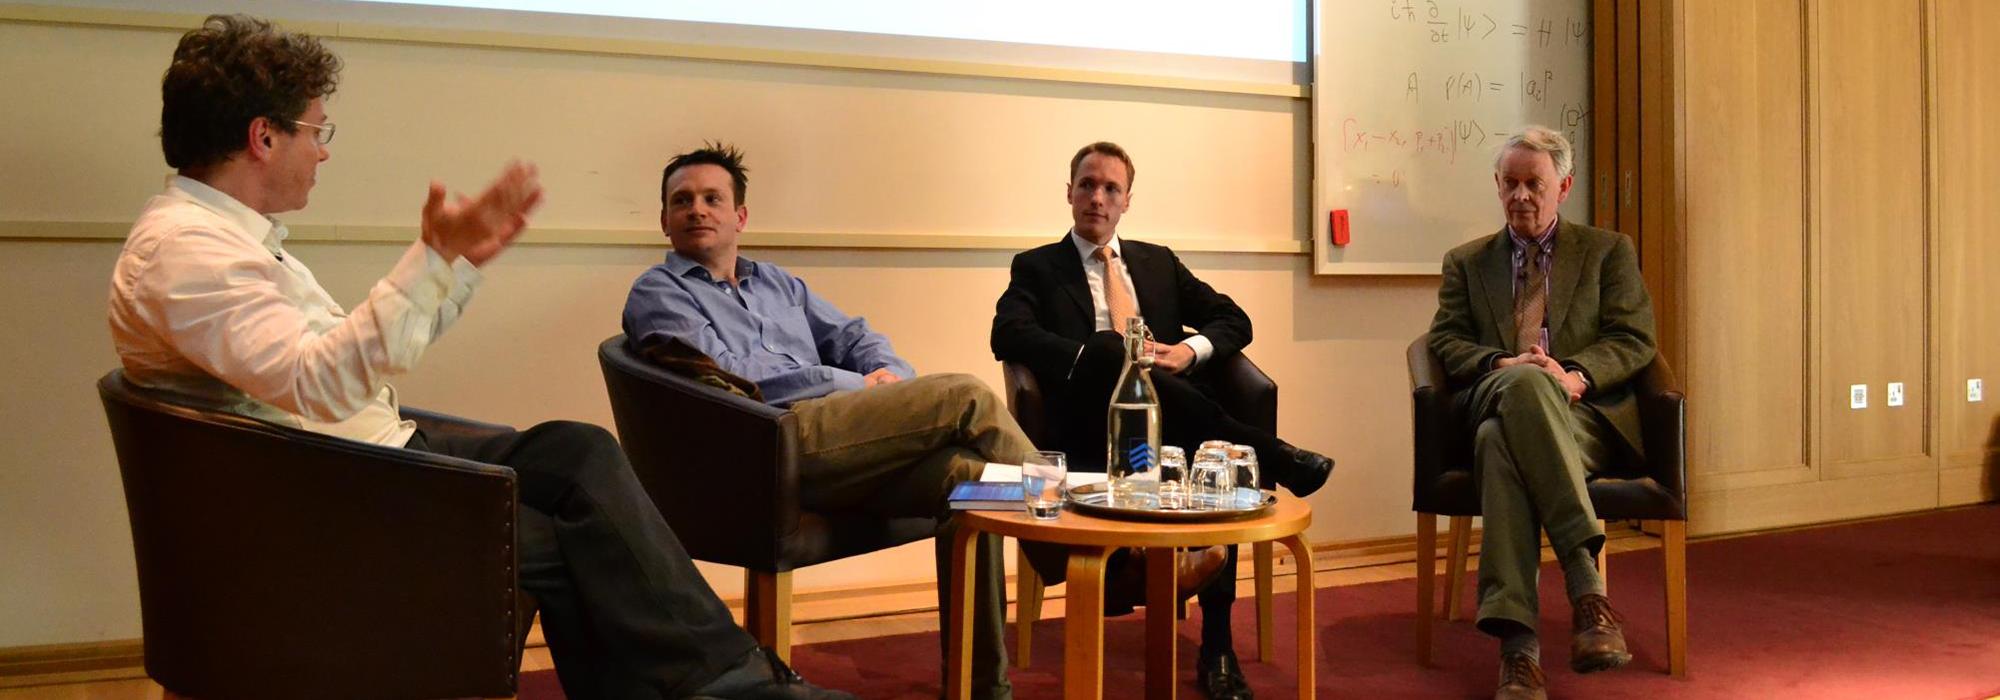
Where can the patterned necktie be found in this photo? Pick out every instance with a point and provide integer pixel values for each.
(1116, 296)
(1530, 299)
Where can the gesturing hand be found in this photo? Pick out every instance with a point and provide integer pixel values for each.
(479, 228)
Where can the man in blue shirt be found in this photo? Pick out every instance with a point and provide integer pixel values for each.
(874, 437)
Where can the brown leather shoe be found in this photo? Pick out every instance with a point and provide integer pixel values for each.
(1599, 644)
(1521, 679)
(1194, 570)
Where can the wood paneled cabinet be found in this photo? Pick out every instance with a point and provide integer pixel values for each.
(1824, 259)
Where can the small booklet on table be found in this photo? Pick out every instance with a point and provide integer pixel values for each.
(987, 495)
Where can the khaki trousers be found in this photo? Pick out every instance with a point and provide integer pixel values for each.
(1533, 451)
(896, 450)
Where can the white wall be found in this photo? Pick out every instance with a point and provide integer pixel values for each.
(831, 151)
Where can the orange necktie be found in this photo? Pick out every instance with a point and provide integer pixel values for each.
(1116, 296)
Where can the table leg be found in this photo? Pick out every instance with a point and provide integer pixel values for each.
(1302, 554)
(964, 553)
(1161, 623)
(1083, 643)
(1261, 551)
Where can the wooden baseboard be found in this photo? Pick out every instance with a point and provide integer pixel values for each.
(51, 659)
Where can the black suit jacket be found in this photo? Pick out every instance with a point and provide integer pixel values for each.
(1045, 317)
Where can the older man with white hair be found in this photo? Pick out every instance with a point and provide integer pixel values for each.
(1540, 326)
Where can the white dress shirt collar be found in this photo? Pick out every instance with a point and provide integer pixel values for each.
(1088, 249)
(263, 230)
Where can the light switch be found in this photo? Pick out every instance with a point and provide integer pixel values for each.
(1895, 394)
(1857, 396)
(1973, 390)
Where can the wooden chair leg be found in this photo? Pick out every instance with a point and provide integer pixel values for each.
(1454, 572)
(1674, 550)
(1027, 606)
(1426, 575)
(767, 609)
(1261, 552)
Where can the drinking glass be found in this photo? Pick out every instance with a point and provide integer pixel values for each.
(1211, 480)
(1243, 461)
(1042, 484)
(1173, 478)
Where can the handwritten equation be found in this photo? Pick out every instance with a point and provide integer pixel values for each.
(1442, 141)
(1445, 25)
(1474, 86)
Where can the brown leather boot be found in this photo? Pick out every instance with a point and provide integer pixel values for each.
(1599, 641)
(1521, 679)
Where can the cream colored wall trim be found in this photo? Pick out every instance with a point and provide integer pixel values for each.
(106, 230)
(634, 47)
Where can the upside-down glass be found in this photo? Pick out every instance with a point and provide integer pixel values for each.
(1173, 478)
(1243, 461)
(1211, 482)
(1042, 477)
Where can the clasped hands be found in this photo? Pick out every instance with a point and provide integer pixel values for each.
(1571, 381)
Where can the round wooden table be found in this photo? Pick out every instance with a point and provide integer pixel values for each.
(1091, 540)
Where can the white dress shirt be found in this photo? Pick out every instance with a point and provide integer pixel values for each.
(205, 302)
(1093, 274)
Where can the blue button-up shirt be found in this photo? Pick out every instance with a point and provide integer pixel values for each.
(767, 328)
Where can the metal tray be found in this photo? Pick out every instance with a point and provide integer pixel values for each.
(1095, 499)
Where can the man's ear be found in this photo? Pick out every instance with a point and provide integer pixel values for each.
(663, 221)
(742, 216)
(260, 141)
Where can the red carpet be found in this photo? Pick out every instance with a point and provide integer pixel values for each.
(1903, 608)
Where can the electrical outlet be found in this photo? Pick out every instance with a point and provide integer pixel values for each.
(1857, 396)
(1974, 390)
(1895, 397)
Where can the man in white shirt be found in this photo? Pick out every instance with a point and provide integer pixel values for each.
(206, 303)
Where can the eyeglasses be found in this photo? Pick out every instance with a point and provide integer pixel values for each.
(323, 133)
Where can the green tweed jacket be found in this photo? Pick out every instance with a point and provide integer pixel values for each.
(1600, 317)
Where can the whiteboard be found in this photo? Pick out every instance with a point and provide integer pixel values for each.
(1411, 101)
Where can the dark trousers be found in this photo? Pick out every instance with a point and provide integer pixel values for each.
(625, 613)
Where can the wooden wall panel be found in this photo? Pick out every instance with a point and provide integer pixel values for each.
(1745, 247)
(1870, 224)
(1968, 208)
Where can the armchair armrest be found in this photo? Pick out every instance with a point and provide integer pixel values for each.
(1663, 425)
(439, 424)
(723, 469)
(1245, 391)
(1024, 400)
(1430, 418)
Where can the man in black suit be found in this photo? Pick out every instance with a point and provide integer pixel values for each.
(1061, 316)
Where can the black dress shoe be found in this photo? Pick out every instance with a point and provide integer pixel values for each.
(1309, 470)
(1221, 678)
(761, 675)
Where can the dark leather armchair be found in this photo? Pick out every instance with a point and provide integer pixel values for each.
(1240, 386)
(724, 471)
(1444, 485)
(280, 563)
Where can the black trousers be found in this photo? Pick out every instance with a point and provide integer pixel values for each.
(624, 610)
